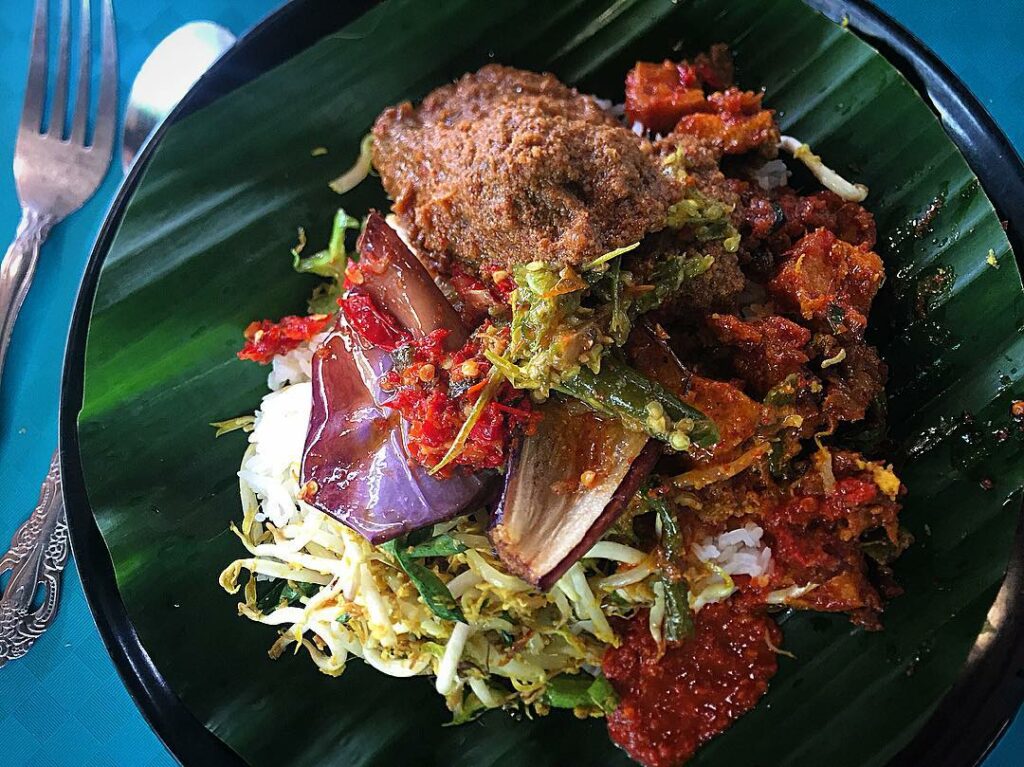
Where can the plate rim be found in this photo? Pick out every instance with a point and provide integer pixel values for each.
(989, 688)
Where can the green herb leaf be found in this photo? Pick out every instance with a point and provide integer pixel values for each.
(470, 708)
(581, 691)
(668, 276)
(603, 694)
(331, 262)
(418, 536)
(438, 546)
(325, 298)
(568, 691)
(433, 590)
(271, 598)
(282, 593)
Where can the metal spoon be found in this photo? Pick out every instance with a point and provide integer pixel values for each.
(173, 67)
(39, 547)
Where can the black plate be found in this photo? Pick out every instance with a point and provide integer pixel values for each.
(975, 712)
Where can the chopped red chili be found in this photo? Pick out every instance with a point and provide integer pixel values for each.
(478, 298)
(435, 393)
(375, 325)
(264, 339)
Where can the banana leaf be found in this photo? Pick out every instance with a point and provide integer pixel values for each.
(203, 248)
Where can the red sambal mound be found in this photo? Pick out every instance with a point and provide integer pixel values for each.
(673, 703)
(435, 393)
(264, 339)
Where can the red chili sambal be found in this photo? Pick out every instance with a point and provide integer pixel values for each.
(670, 704)
(372, 323)
(436, 391)
(264, 339)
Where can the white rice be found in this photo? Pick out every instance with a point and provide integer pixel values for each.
(279, 435)
(295, 366)
(737, 552)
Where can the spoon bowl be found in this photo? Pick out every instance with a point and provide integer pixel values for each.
(168, 73)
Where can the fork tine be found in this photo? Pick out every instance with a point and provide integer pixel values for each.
(32, 112)
(81, 118)
(59, 102)
(106, 111)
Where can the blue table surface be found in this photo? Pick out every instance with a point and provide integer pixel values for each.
(63, 703)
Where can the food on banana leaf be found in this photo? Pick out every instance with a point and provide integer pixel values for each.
(630, 318)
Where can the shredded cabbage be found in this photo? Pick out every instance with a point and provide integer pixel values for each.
(828, 177)
(352, 599)
(360, 169)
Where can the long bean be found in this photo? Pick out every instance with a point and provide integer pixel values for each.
(620, 391)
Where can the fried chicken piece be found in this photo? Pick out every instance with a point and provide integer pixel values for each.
(828, 282)
(854, 383)
(658, 95)
(735, 124)
(766, 350)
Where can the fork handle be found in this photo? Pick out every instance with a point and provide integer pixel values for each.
(36, 559)
(16, 271)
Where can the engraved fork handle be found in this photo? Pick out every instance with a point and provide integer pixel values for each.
(17, 269)
(36, 559)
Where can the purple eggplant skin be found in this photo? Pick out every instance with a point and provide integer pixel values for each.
(546, 519)
(400, 285)
(355, 467)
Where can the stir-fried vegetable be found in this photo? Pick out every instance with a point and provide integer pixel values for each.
(504, 643)
(581, 692)
(620, 391)
(283, 593)
(678, 621)
(552, 333)
(559, 343)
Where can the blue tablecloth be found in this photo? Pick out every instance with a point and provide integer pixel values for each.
(63, 704)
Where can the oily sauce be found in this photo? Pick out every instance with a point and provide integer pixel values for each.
(670, 705)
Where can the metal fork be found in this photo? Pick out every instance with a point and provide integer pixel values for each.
(56, 172)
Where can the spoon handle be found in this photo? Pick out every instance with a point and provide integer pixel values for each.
(36, 559)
